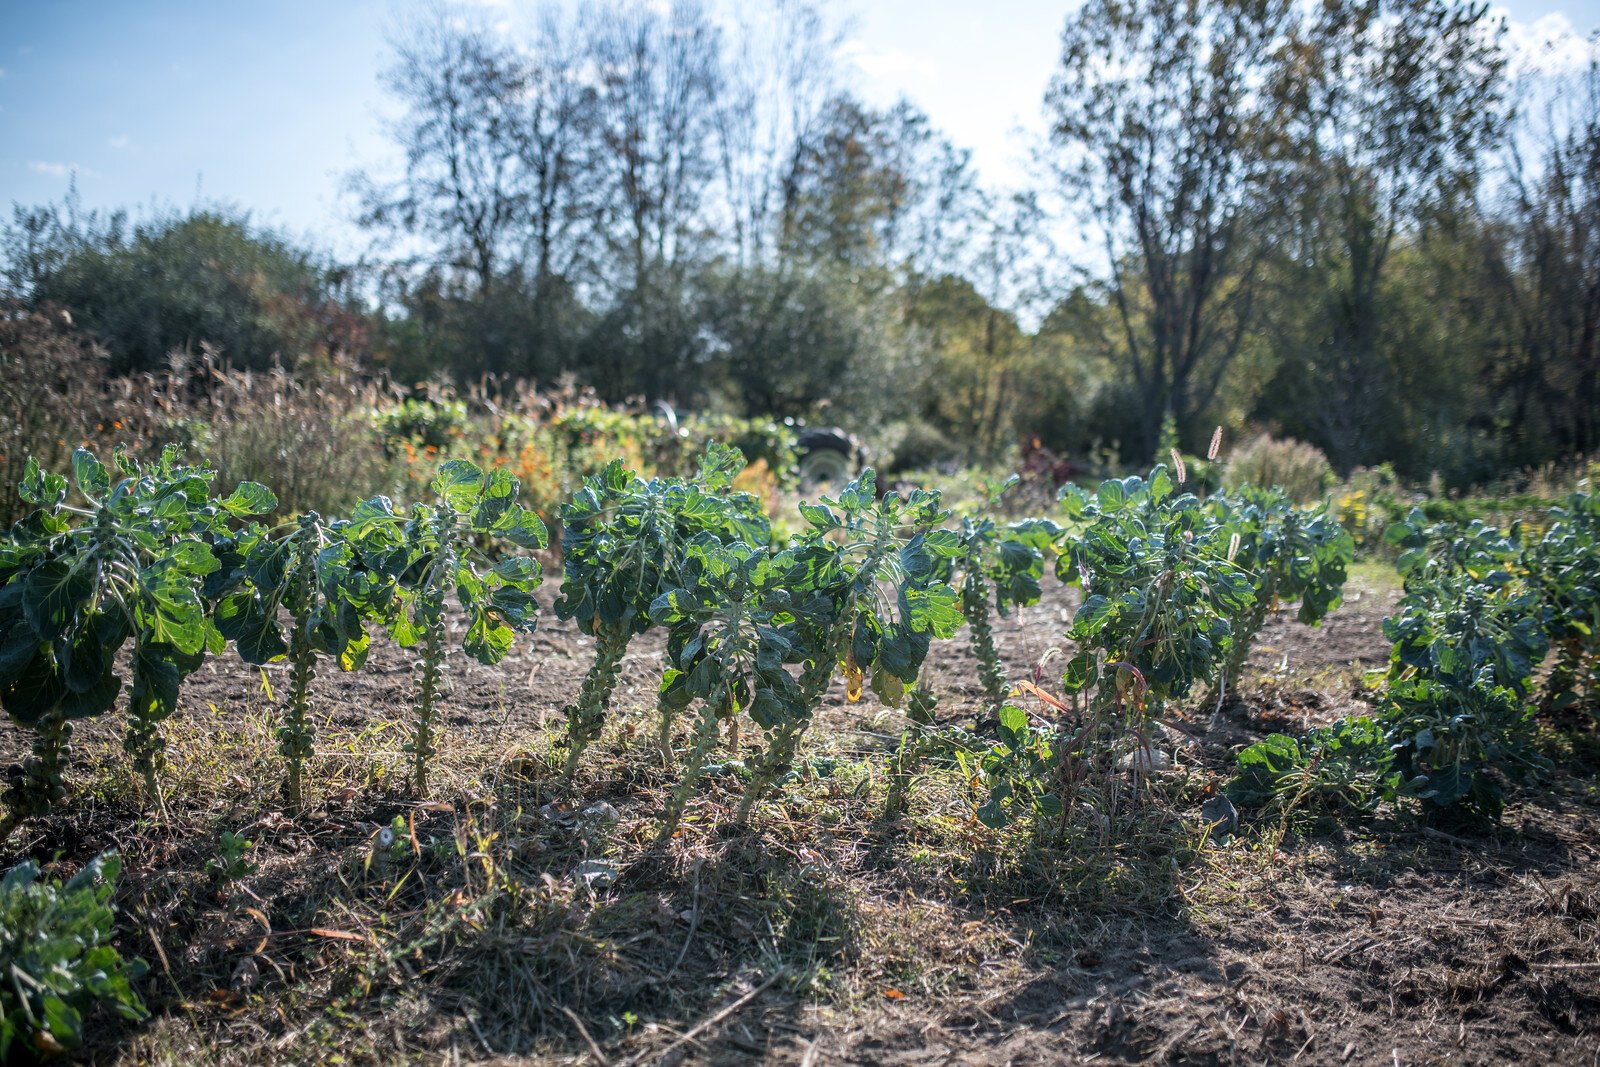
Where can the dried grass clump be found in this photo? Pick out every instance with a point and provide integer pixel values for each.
(51, 377)
(300, 430)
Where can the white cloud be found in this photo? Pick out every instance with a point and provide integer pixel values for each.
(888, 64)
(121, 140)
(1547, 45)
(56, 170)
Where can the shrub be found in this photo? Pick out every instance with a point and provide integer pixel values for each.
(1300, 470)
(55, 940)
(1342, 766)
(1367, 503)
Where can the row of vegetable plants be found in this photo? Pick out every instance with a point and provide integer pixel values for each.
(1460, 710)
(1175, 589)
(129, 577)
(149, 556)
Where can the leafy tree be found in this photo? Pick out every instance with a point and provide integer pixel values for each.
(500, 149)
(176, 281)
(1163, 128)
(1540, 252)
(1390, 107)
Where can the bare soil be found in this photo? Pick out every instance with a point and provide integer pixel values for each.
(823, 934)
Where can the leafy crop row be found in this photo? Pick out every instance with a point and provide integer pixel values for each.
(1175, 590)
(1480, 612)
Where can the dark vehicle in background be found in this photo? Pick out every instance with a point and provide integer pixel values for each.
(827, 456)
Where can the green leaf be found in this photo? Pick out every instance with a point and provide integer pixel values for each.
(243, 619)
(41, 489)
(524, 529)
(53, 593)
(820, 516)
(495, 501)
(1013, 720)
(90, 474)
(992, 814)
(158, 673)
(1111, 495)
(517, 569)
(33, 691)
(92, 700)
(488, 640)
(457, 484)
(1079, 673)
(249, 499)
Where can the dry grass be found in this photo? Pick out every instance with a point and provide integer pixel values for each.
(492, 927)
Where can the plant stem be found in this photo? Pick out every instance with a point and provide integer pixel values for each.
(705, 739)
(144, 744)
(664, 732)
(430, 613)
(587, 717)
(295, 734)
(428, 688)
(1244, 633)
(975, 605)
(915, 742)
(773, 764)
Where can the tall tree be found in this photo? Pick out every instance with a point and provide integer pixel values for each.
(1543, 254)
(1162, 128)
(464, 184)
(1391, 105)
(499, 142)
(660, 76)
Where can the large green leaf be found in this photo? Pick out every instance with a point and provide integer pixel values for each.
(495, 501)
(92, 700)
(250, 499)
(40, 488)
(34, 690)
(54, 592)
(243, 618)
(488, 639)
(457, 484)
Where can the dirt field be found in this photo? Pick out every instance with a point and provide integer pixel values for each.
(824, 934)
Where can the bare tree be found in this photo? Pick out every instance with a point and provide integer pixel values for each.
(779, 75)
(463, 131)
(660, 76)
(1543, 257)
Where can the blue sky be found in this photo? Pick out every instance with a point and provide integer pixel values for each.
(269, 105)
